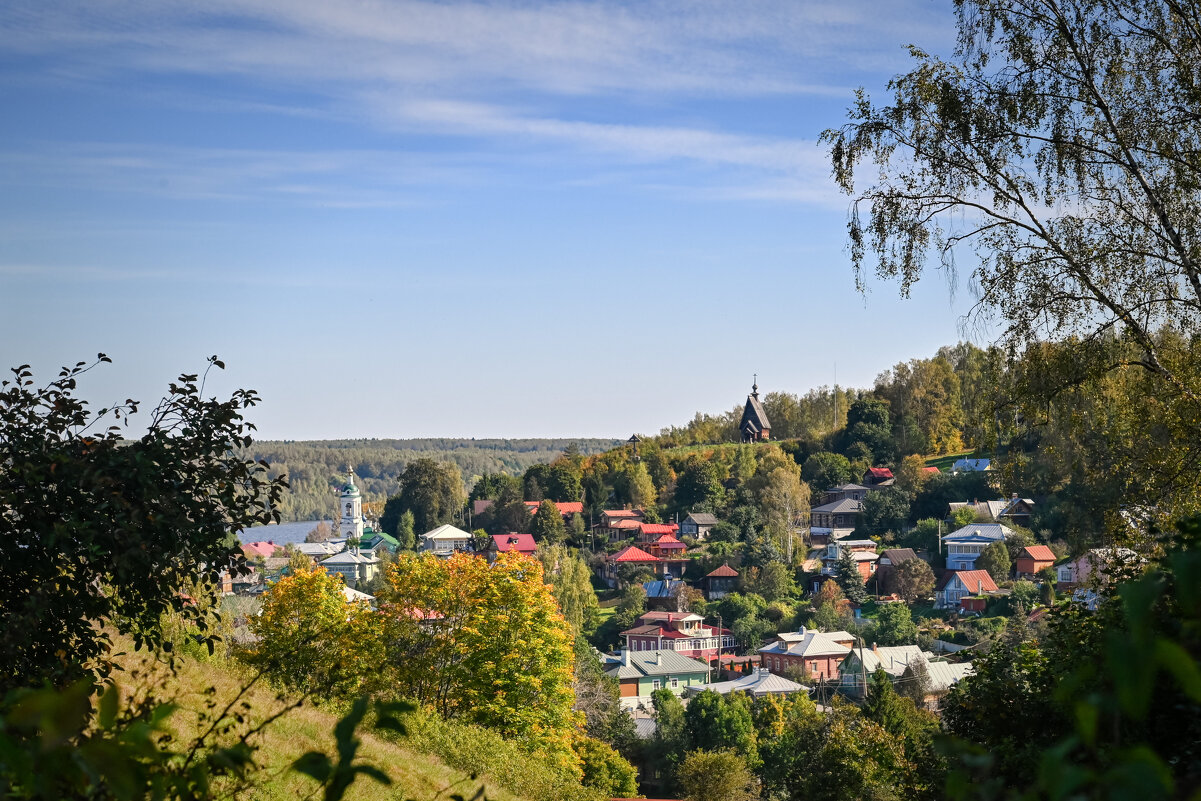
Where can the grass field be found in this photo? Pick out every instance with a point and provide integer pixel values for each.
(414, 775)
(944, 463)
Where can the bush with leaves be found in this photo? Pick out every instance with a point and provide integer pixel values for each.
(104, 533)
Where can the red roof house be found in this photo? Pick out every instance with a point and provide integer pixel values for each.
(565, 507)
(720, 583)
(649, 532)
(667, 546)
(629, 555)
(682, 632)
(264, 549)
(1034, 558)
(877, 475)
(955, 585)
(522, 543)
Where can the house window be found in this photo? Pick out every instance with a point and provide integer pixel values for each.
(675, 683)
(655, 684)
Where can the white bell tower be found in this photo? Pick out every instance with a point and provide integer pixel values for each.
(351, 505)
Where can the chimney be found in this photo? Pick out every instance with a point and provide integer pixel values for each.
(658, 657)
(625, 657)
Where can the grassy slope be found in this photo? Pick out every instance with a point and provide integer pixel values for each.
(415, 775)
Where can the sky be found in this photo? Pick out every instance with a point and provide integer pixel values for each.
(488, 219)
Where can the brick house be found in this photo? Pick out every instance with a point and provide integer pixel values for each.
(682, 632)
(1032, 559)
(809, 651)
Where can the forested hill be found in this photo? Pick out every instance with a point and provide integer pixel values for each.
(316, 469)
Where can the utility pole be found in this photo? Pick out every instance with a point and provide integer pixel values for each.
(863, 668)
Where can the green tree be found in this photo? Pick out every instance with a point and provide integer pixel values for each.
(571, 581)
(883, 511)
(605, 770)
(631, 606)
(824, 470)
(698, 485)
(484, 643)
(406, 531)
(104, 534)
(912, 579)
(954, 164)
(432, 491)
(868, 424)
(774, 581)
(312, 639)
(639, 489)
(547, 526)
(667, 748)
(849, 579)
(895, 626)
(716, 776)
(784, 503)
(995, 559)
(714, 721)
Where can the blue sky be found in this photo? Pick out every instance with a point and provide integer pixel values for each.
(400, 219)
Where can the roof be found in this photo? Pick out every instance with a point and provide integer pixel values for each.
(1039, 552)
(377, 537)
(930, 470)
(625, 523)
(668, 541)
(942, 675)
(661, 588)
(621, 513)
(645, 728)
(879, 472)
(810, 642)
(656, 663)
(973, 580)
(565, 507)
(262, 548)
(318, 548)
(446, 532)
(842, 505)
(891, 659)
(761, 682)
(753, 413)
(725, 571)
(702, 518)
(478, 507)
(848, 488)
(658, 528)
(351, 558)
(971, 465)
(353, 595)
(979, 532)
(632, 553)
(896, 556)
(523, 543)
(670, 617)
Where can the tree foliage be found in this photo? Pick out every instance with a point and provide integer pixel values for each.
(912, 579)
(483, 643)
(432, 491)
(105, 533)
(995, 559)
(720, 775)
(895, 626)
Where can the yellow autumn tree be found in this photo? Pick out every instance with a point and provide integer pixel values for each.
(483, 643)
(312, 639)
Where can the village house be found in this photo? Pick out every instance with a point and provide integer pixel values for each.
(957, 585)
(682, 632)
(619, 524)
(862, 551)
(640, 674)
(566, 508)
(353, 566)
(833, 521)
(629, 555)
(940, 677)
(809, 652)
(503, 543)
(893, 660)
(757, 684)
(649, 532)
(1093, 565)
(445, 540)
(697, 525)
(1014, 510)
(663, 594)
(890, 559)
(262, 549)
(877, 477)
(855, 492)
(964, 545)
(972, 466)
(376, 541)
(720, 582)
(1032, 559)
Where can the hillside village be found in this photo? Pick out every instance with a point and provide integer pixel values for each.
(732, 582)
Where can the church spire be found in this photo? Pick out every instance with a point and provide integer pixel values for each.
(755, 387)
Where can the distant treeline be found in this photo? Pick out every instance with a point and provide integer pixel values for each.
(316, 469)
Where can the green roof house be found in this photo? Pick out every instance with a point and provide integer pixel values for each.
(640, 673)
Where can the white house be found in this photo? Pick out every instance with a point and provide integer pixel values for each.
(353, 566)
(445, 540)
(964, 545)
